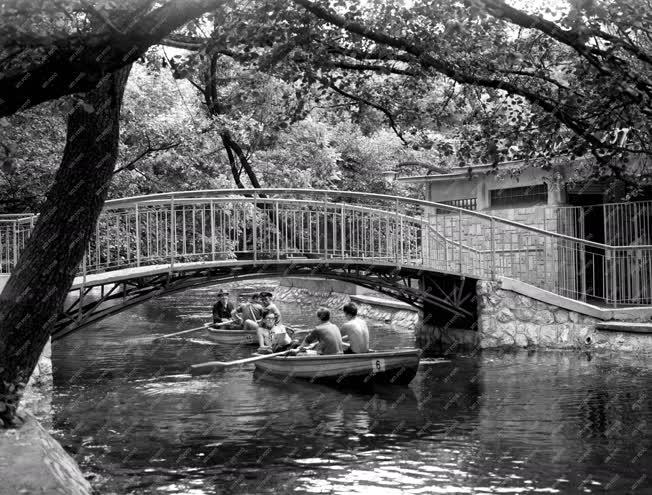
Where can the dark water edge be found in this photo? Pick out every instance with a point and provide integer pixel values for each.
(544, 422)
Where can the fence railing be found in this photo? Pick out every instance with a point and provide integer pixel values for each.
(14, 232)
(276, 224)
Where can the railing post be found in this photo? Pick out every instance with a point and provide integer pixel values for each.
(493, 248)
(278, 232)
(396, 220)
(325, 227)
(342, 231)
(137, 236)
(173, 223)
(613, 276)
(253, 226)
(582, 248)
(459, 236)
(402, 242)
(212, 230)
(81, 289)
(15, 242)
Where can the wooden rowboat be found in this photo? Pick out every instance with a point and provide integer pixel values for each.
(231, 336)
(396, 367)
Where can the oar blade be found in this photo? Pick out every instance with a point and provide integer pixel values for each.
(207, 368)
(211, 366)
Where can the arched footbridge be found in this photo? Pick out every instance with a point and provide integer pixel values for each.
(418, 251)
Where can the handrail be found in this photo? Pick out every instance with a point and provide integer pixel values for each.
(206, 194)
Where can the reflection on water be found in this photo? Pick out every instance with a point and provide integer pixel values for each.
(499, 423)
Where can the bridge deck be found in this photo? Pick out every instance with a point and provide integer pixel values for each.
(130, 274)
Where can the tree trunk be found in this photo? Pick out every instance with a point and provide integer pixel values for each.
(35, 292)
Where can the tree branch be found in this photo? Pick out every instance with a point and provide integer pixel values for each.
(148, 151)
(386, 112)
(78, 62)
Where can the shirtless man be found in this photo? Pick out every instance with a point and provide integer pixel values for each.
(327, 334)
(269, 306)
(355, 330)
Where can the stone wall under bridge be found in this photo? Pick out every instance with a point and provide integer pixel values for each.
(506, 318)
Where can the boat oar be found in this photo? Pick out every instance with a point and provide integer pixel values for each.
(226, 322)
(210, 366)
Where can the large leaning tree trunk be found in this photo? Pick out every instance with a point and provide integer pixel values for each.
(35, 292)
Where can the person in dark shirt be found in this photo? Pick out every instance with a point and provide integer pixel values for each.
(222, 308)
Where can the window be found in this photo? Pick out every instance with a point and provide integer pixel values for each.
(467, 204)
(519, 196)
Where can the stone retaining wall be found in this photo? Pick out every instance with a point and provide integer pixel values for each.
(334, 300)
(506, 318)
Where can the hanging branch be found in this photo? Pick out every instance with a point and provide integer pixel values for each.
(148, 151)
(386, 112)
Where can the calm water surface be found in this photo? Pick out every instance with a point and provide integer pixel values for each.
(498, 423)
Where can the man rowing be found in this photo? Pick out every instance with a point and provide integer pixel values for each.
(355, 330)
(326, 333)
(249, 314)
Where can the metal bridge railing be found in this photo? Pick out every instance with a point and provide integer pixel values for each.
(14, 232)
(284, 224)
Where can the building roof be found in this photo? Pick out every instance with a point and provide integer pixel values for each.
(458, 172)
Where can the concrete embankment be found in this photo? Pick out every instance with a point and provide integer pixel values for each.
(31, 460)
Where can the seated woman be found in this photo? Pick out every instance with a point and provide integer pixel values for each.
(274, 336)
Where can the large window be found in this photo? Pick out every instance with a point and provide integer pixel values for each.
(519, 196)
(466, 203)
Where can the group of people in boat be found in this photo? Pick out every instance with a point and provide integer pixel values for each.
(262, 317)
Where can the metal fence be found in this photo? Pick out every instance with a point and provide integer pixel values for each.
(282, 224)
(14, 232)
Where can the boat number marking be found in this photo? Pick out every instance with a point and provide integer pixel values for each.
(377, 365)
(249, 338)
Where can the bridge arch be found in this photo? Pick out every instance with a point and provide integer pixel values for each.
(105, 297)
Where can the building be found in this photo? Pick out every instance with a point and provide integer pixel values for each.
(556, 199)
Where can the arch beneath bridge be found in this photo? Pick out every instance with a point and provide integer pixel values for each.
(441, 296)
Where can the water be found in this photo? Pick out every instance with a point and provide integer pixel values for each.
(546, 422)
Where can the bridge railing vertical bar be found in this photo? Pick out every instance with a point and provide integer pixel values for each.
(395, 240)
(325, 213)
(459, 240)
(342, 221)
(493, 248)
(254, 228)
(212, 228)
(278, 231)
(15, 243)
(173, 242)
(137, 211)
(401, 240)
